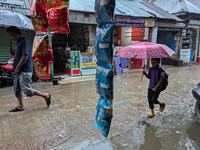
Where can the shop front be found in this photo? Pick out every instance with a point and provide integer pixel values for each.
(132, 30)
(81, 42)
(170, 34)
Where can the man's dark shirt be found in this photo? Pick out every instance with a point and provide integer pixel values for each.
(23, 48)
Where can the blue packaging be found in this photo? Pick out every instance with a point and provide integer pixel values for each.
(104, 11)
(103, 117)
(98, 74)
(77, 59)
(104, 43)
(106, 82)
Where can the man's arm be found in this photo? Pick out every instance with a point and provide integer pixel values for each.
(12, 51)
(73, 47)
(21, 63)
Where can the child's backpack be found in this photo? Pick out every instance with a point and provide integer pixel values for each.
(165, 82)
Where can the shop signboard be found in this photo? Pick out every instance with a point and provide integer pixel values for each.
(13, 2)
(89, 65)
(154, 35)
(134, 22)
(185, 55)
(88, 61)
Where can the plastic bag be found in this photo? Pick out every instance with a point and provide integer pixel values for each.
(98, 107)
(196, 92)
(98, 74)
(103, 116)
(58, 20)
(42, 68)
(40, 46)
(104, 11)
(39, 17)
(104, 44)
(55, 4)
(106, 82)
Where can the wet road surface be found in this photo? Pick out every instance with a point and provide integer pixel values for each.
(73, 110)
(177, 131)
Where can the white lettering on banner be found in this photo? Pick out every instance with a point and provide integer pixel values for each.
(13, 2)
(104, 45)
(154, 35)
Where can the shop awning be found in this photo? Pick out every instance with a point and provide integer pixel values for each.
(176, 25)
(82, 11)
(139, 8)
(178, 6)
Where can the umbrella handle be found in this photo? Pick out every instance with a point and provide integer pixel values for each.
(141, 77)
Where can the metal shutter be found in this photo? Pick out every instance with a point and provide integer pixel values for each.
(5, 42)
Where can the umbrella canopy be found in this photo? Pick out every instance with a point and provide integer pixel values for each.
(8, 18)
(145, 50)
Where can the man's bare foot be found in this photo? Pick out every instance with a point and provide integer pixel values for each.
(47, 96)
(20, 107)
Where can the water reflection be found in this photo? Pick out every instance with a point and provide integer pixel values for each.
(179, 130)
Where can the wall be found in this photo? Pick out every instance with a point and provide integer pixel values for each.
(78, 31)
(126, 36)
(92, 33)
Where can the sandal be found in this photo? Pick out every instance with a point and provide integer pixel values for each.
(150, 115)
(16, 109)
(162, 107)
(48, 100)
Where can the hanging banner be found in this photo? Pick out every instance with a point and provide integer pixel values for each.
(40, 46)
(58, 20)
(13, 2)
(42, 56)
(39, 17)
(55, 4)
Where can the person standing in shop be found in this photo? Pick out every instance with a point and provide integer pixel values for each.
(78, 46)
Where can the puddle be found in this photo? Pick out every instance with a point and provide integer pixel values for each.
(179, 130)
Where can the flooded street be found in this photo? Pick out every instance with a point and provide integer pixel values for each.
(72, 112)
(177, 131)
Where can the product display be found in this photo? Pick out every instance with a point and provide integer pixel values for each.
(106, 81)
(104, 10)
(98, 74)
(58, 20)
(104, 115)
(42, 56)
(104, 44)
(55, 4)
(73, 62)
(39, 17)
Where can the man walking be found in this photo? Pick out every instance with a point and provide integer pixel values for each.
(23, 69)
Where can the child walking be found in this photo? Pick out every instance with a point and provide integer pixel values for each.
(157, 76)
